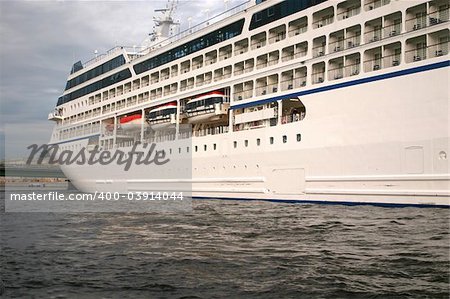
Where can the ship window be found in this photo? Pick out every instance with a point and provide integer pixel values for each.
(299, 137)
(108, 81)
(99, 70)
(279, 11)
(187, 149)
(179, 150)
(196, 148)
(205, 147)
(271, 140)
(215, 146)
(200, 43)
(258, 142)
(235, 144)
(284, 138)
(258, 16)
(170, 151)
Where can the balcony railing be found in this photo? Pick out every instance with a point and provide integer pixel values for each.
(336, 73)
(258, 44)
(279, 37)
(244, 94)
(263, 90)
(373, 35)
(375, 4)
(286, 119)
(373, 64)
(323, 22)
(318, 77)
(391, 60)
(298, 30)
(433, 18)
(392, 30)
(318, 51)
(350, 12)
(211, 131)
(352, 69)
(436, 50)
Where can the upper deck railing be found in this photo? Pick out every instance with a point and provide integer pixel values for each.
(222, 16)
(110, 52)
(140, 51)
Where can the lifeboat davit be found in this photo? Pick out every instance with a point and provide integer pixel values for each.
(131, 122)
(162, 117)
(207, 108)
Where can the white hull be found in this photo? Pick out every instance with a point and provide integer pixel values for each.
(377, 142)
(371, 124)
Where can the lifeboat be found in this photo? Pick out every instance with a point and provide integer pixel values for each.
(163, 116)
(207, 108)
(131, 122)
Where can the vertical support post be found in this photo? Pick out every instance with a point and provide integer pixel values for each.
(177, 119)
(230, 111)
(142, 125)
(115, 131)
(280, 111)
(230, 121)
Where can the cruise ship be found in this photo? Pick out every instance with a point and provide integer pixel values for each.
(309, 101)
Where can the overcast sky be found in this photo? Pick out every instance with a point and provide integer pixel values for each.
(40, 40)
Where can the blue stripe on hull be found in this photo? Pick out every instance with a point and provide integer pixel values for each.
(323, 202)
(410, 71)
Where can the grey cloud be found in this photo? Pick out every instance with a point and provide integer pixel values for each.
(40, 40)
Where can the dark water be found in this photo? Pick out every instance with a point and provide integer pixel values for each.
(229, 249)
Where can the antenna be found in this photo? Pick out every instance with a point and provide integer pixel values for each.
(163, 24)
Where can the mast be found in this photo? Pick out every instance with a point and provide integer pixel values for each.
(164, 24)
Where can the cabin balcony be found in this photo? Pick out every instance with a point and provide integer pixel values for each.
(336, 69)
(416, 49)
(277, 34)
(323, 17)
(241, 47)
(243, 91)
(298, 26)
(319, 44)
(373, 60)
(348, 9)
(258, 41)
(373, 4)
(352, 65)
(336, 42)
(318, 73)
(373, 31)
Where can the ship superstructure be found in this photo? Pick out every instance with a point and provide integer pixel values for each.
(298, 100)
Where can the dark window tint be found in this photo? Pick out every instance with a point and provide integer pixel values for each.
(280, 10)
(200, 43)
(108, 81)
(95, 72)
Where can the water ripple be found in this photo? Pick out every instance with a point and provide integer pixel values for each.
(229, 250)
